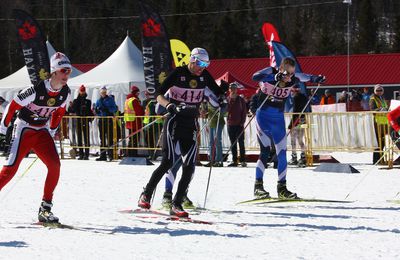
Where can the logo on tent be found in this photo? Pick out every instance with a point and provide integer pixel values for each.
(151, 28)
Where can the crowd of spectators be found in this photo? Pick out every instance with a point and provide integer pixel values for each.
(137, 114)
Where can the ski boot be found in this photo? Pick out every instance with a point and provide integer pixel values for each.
(302, 161)
(144, 201)
(243, 164)
(45, 215)
(218, 164)
(187, 203)
(167, 200)
(259, 192)
(284, 193)
(233, 164)
(293, 161)
(177, 210)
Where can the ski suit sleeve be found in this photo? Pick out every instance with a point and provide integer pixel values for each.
(9, 113)
(57, 115)
(264, 75)
(394, 118)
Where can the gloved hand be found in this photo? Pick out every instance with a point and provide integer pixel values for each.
(52, 132)
(279, 76)
(319, 79)
(3, 129)
(174, 109)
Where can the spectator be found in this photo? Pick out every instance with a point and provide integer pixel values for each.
(377, 103)
(133, 121)
(327, 99)
(343, 97)
(297, 133)
(105, 107)
(315, 99)
(365, 99)
(237, 113)
(152, 134)
(215, 144)
(82, 107)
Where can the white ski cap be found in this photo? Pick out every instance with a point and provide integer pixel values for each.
(59, 61)
(199, 54)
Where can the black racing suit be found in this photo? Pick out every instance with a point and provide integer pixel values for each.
(180, 130)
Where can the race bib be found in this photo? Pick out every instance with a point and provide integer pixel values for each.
(274, 91)
(186, 95)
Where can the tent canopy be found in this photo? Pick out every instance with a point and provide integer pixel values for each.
(118, 72)
(244, 89)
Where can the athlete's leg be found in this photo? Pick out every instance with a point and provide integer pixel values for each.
(21, 144)
(46, 151)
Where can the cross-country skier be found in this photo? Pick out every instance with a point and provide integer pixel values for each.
(41, 108)
(187, 86)
(275, 86)
(394, 120)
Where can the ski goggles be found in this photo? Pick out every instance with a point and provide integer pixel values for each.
(202, 64)
(66, 71)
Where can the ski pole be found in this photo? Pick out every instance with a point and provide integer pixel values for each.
(213, 152)
(134, 133)
(180, 157)
(370, 170)
(297, 119)
(19, 178)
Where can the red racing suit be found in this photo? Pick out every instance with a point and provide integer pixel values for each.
(40, 112)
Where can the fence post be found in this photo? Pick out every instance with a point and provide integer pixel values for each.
(115, 137)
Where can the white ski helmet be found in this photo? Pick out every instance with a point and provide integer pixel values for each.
(58, 61)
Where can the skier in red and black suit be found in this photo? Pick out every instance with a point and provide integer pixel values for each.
(187, 87)
(41, 108)
(394, 120)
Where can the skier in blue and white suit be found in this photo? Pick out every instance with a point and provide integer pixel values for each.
(275, 86)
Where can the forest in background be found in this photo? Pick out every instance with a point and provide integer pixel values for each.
(227, 29)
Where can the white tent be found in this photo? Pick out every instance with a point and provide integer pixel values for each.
(11, 84)
(118, 72)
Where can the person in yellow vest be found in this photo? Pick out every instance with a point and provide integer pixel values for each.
(152, 134)
(132, 116)
(377, 103)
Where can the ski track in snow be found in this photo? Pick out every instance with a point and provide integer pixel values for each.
(90, 194)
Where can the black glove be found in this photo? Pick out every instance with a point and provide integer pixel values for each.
(279, 76)
(319, 79)
(174, 109)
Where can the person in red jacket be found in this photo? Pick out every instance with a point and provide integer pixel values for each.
(133, 114)
(41, 108)
(394, 120)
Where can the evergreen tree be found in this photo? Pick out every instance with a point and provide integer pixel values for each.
(366, 28)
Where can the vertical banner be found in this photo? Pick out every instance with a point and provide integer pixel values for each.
(33, 46)
(156, 49)
(270, 34)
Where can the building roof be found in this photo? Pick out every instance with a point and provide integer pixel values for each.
(365, 69)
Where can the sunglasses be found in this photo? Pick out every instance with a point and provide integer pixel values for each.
(379, 90)
(65, 71)
(202, 64)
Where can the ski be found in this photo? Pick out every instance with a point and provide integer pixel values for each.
(149, 213)
(53, 225)
(279, 200)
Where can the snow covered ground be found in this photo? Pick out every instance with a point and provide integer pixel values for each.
(90, 194)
